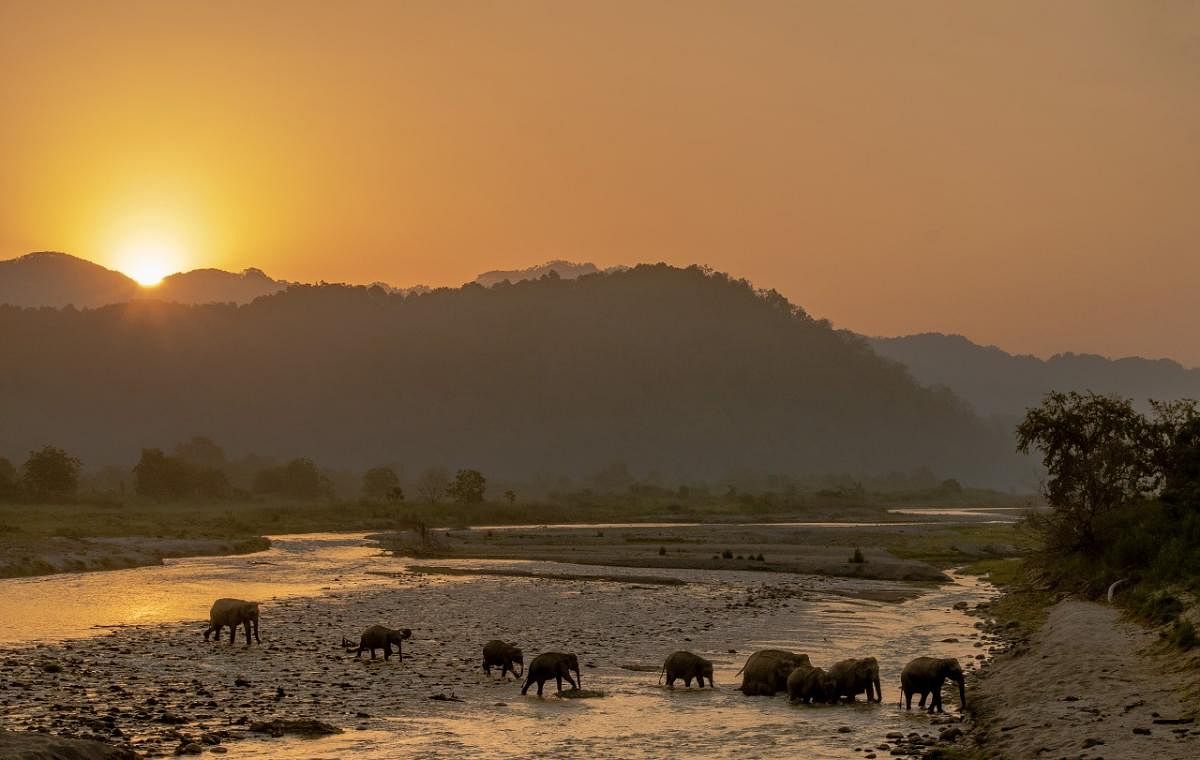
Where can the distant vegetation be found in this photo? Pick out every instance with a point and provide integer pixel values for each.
(681, 374)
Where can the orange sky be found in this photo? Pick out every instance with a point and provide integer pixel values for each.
(1027, 174)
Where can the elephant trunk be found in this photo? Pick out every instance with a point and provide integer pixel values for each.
(578, 679)
(962, 695)
(878, 690)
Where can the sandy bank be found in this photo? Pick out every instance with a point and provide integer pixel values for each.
(784, 549)
(24, 557)
(1085, 686)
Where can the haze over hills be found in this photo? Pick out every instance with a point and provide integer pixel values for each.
(996, 382)
(49, 278)
(678, 371)
(567, 270)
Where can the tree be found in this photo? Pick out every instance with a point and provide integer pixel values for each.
(380, 483)
(9, 487)
(510, 496)
(433, 483)
(298, 479)
(212, 483)
(161, 477)
(201, 452)
(468, 487)
(1181, 470)
(1097, 451)
(50, 473)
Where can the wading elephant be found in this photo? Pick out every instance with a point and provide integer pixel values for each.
(925, 676)
(232, 613)
(556, 665)
(811, 685)
(856, 676)
(506, 656)
(687, 666)
(766, 672)
(382, 637)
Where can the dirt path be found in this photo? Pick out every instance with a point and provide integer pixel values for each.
(1086, 689)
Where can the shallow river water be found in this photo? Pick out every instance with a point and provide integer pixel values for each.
(318, 588)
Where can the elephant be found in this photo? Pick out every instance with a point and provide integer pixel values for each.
(925, 676)
(766, 671)
(855, 676)
(232, 613)
(382, 637)
(811, 685)
(687, 666)
(507, 656)
(554, 665)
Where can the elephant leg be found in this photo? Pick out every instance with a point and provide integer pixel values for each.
(487, 670)
(247, 627)
(687, 681)
(525, 688)
(558, 679)
(540, 684)
(208, 632)
(257, 640)
(921, 703)
(387, 652)
(372, 653)
(232, 633)
(670, 680)
(400, 650)
(908, 700)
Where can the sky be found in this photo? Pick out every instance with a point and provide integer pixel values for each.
(1023, 173)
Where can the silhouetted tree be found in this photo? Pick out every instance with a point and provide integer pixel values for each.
(432, 484)
(158, 476)
(50, 473)
(380, 483)
(468, 487)
(510, 496)
(212, 483)
(298, 479)
(1098, 457)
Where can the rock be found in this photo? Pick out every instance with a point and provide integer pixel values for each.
(950, 734)
(843, 729)
(21, 744)
(297, 727)
(171, 719)
(191, 748)
(581, 694)
(1142, 731)
(1092, 742)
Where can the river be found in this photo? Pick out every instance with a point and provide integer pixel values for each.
(317, 588)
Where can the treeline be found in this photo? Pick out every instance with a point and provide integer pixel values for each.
(684, 372)
(1124, 495)
(198, 469)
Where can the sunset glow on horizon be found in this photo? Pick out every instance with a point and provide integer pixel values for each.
(1022, 173)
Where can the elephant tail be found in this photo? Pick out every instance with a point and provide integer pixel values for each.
(661, 671)
(735, 675)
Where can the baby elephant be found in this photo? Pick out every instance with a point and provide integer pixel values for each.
(554, 665)
(382, 637)
(506, 656)
(811, 686)
(856, 676)
(925, 676)
(687, 666)
(232, 613)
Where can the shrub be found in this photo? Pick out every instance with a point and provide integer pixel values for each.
(726, 554)
(858, 557)
(1183, 635)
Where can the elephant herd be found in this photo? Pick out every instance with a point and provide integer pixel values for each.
(766, 672)
(770, 671)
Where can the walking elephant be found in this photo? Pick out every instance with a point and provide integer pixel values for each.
(926, 675)
(687, 666)
(811, 686)
(232, 613)
(504, 655)
(766, 671)
(382, 637)
(856, 676)
(556, 665)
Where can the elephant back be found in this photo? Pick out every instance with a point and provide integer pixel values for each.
(229, 611)
(767, 671)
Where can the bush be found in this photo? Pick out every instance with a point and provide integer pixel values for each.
(1183, 635)
(858, 557)
(662, 551)
(1159, 608)
(726, 554)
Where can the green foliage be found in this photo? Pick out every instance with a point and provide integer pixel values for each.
(1157, 607)
(50, 473)
(468, 487)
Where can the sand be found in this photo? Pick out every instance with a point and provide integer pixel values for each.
(1087, 686)
(785, 549)
(44, 556)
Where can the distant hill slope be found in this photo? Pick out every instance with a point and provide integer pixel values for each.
(59, 279)
(215, 286)
(48, 278)
(995, 382)
(568, 270)
(678, 371)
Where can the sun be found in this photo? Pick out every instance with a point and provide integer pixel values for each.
(148, 260)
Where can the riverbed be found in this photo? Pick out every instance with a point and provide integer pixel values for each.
(317, 589)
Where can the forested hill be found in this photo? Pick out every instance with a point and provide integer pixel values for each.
(995, 382)
(679, 371)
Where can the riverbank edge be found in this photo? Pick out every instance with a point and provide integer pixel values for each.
(50, 556)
